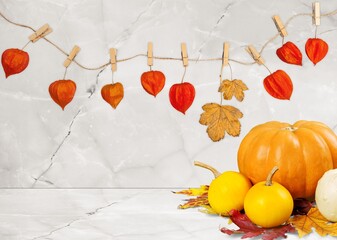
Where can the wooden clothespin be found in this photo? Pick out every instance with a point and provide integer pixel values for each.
(225, 54)
(150, 54)
(71, 56)
(184, 54)
(113, 59)
(316, 14)
(40, 33)
(255, 55)
(279, 25)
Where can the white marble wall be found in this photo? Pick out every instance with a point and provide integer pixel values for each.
(145, 142)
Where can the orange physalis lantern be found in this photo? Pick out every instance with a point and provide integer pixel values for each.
(182, 96)
(62, 92)
(279, 85)
(14, 61)
(316, 49)
(289, 53)
(153, 82)
(113, 93)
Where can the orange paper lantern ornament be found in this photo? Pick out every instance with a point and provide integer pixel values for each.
(62, 92)
(182, 96)
(316, 49)
(153, 82)
(289, 53)
(279, 85)
(113, 93)
(14, 61)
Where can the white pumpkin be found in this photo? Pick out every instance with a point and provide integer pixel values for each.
(326, 195)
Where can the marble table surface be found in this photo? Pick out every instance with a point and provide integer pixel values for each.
(95, 214)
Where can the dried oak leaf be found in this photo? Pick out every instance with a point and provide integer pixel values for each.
(250, 230)
(313, 219)
(221, 119)
(231, 88)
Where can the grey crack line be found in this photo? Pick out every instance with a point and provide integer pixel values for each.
(127, 32)
(214, 27)
(92, 90)
(73, 221)
(57, 149)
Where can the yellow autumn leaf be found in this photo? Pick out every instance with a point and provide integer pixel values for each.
(194, 191)
(221, 119)
(313, 219)
(231, 88)
(201, 199)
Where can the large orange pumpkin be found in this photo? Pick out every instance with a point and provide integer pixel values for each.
(303, 152)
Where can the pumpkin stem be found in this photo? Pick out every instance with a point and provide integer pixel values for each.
(270, 176)
(290, 128)
(215, 172)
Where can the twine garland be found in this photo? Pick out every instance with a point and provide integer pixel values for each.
(166, 58)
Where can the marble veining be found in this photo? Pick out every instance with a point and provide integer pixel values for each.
(106, 214)
(145, 142)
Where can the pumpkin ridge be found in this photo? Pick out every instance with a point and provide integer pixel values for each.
(316, 127)
(261, 137)
(316, 169)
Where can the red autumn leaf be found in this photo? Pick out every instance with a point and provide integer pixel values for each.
(14, 61)
(113, 93)
(182, 96)
(301, 206)
(316, 49)
(289, 53)
(279, 85)
(250, 230)
(153, 82)
(62, 92)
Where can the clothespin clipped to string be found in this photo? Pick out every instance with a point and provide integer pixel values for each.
(279, 25)
(316, 14)
(225, 54)
(113, 59)
(150, 55)
(184, 55)
(40, 33)
(71, 56)
(255, 55)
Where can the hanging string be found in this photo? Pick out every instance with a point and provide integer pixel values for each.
(65, 73)
(25, 46)
(182, 79)
(167, 58)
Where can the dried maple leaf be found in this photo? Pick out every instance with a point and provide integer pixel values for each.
(231, 88)
(201, 199)
(221, 119)
(250, 230)
(194, 191)
(313, 219)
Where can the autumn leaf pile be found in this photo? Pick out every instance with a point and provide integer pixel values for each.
(305, 218)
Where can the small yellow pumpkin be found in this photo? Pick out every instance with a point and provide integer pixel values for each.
(268, 204)
(227, 191)
(303, 152)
